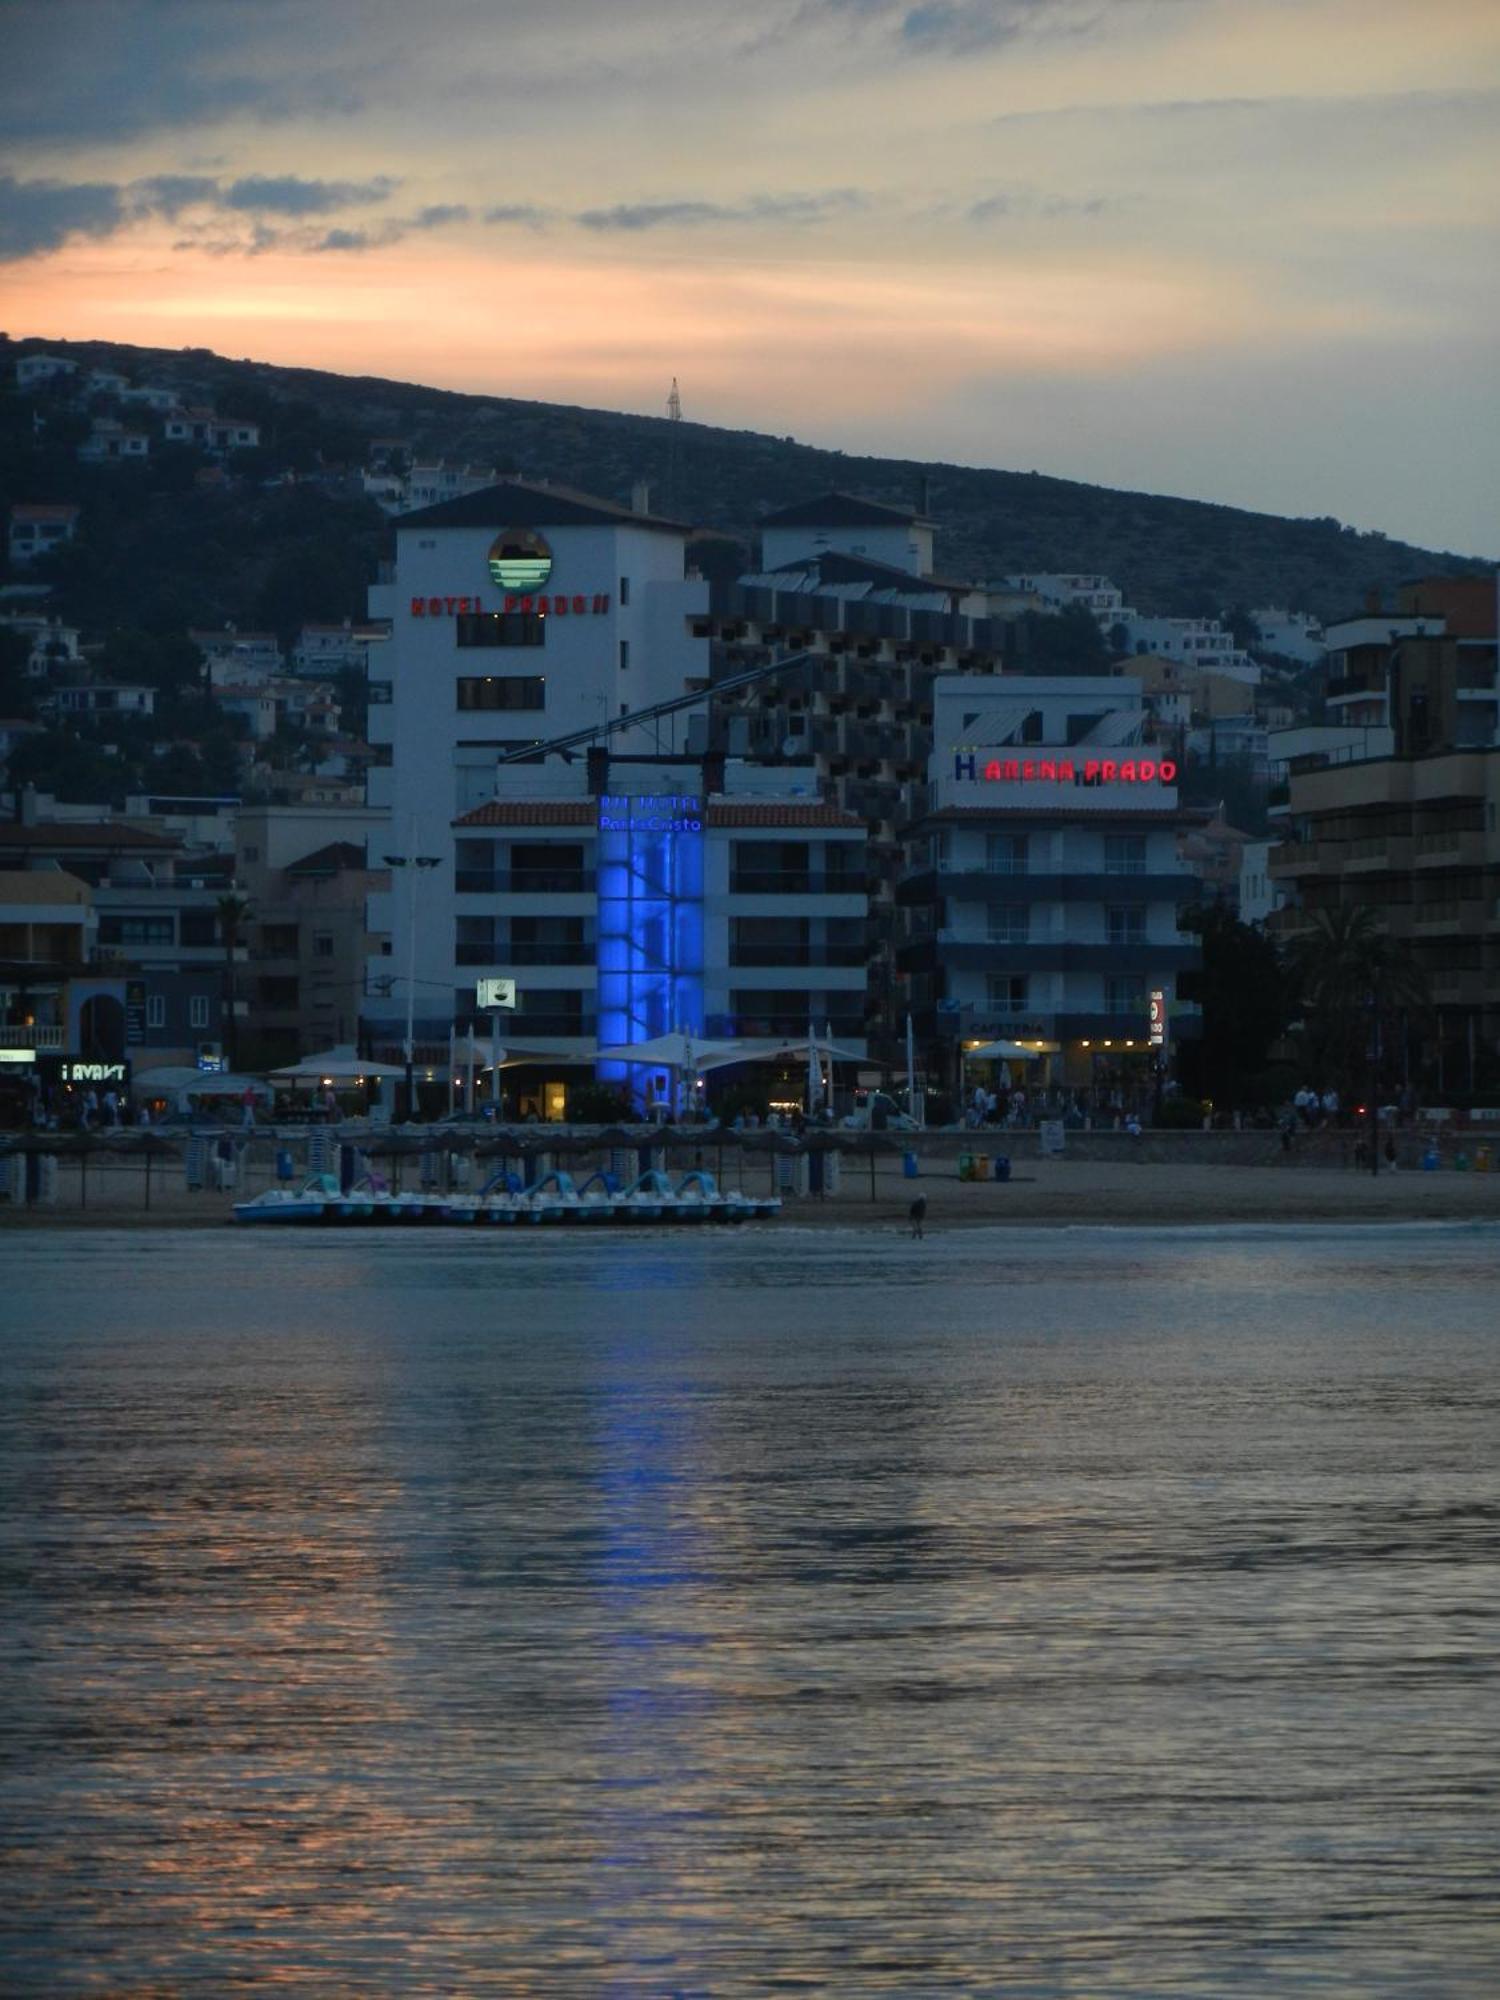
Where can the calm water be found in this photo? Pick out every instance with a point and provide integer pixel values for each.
(1100, 1613)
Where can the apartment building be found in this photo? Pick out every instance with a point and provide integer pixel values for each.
(1046, 880)
(1416, 840)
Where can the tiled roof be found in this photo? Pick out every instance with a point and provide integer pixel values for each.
(516, 503)
(82, 834)
(780, 812)
(840, 510)
(532, 812)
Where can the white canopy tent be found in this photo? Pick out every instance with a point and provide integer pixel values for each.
(336, 1066)
(180, 1082)
(674, 1051)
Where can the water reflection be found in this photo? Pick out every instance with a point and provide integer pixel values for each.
(492, 1620)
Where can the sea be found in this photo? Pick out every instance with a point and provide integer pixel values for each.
(1067, 1612)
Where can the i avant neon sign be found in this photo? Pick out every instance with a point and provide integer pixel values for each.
(1063, 770)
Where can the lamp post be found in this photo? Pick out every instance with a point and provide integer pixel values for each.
(411, 863)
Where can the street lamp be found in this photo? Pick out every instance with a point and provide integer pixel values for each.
(412, 863)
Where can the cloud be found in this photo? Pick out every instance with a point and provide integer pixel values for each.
(1023, 204)
(286, 194)
(41, 215)
(520, 212)
(440, 214)
(96, 72)
(36, 216)
(635, 216)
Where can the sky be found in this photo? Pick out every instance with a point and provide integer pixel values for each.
(1240, 250)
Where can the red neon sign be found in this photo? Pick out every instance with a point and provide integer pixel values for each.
(578, 606)
(1065, 770)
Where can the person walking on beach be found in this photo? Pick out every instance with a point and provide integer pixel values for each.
(918, 1215)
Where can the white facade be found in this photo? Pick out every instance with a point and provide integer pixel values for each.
(474, 670)
(111, 443)
(843, 524)
(1260, 892)
(1053, 844)
(1292, 635)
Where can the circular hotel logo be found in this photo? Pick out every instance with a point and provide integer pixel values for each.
(519, 559)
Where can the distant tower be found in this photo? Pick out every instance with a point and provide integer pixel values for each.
(674, 416)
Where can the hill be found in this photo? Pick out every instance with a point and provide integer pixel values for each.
(162, 553)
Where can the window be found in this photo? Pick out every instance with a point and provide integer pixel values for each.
(503, 691)
(624, 590)
(1006, 853)
(378, 693)
(1006, 992)
(1125, 996)
(769, 941)
(322, 944)
(136, 930)
(1124, 854)
(1126, 924)
(200, 927)
(624, 656)
(156, 1010)
(249, 854)
(198, 1011)
(1009, 923)
(500, 628)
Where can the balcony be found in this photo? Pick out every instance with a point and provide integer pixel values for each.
(33, 1038)
(833, 955)
(524, 882)
(779, 882)
(744, 1027)
(524, 1028)
(503, 952)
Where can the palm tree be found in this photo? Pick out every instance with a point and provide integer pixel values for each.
(1352, 977)
(233, 910)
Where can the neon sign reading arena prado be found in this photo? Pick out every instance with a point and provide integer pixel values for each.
(1064, 770)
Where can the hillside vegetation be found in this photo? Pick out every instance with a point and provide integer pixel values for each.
(159, 553)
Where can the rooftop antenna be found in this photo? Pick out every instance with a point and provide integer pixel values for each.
(674, 416)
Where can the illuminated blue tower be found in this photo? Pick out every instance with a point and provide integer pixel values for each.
(650, 925)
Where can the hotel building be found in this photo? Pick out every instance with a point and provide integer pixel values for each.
(626, 892)
(1044, 895)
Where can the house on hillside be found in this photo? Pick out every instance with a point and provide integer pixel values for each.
(37, 529)
(32, 370)
(111, 443)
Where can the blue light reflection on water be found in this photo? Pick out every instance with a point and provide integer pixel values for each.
(1101, 1610)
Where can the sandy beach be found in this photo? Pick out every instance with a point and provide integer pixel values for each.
(1050, 1193)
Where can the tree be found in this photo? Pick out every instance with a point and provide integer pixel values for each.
(1242, 990)
(233, 911)
(1064, 642)
(1354, 981)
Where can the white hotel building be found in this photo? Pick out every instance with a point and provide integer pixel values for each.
(626, 896)
(1047, 908)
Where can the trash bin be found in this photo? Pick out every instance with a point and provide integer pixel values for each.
(1002, 1167)
(909, 1166)
(284, 1168)
(1481, 1159)
(966, 1166)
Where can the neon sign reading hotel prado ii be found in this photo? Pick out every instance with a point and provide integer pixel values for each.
(1063, 770)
